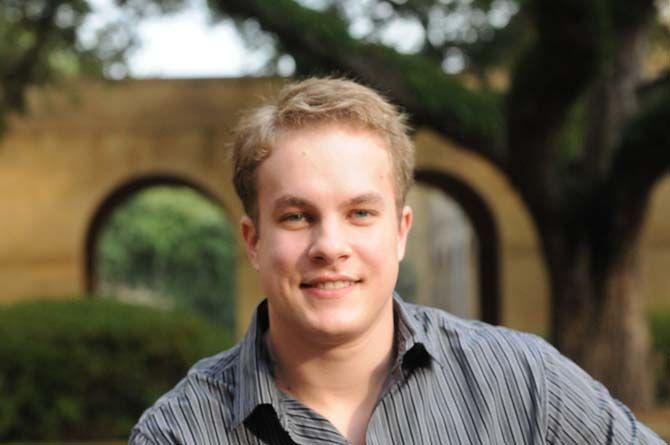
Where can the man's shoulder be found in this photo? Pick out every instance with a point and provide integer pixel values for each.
(209, 383)
(440, 322)
(449, 334)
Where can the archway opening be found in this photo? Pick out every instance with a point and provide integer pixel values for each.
(452, 256)
(167, 245)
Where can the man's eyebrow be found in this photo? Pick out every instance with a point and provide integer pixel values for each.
(365, 199)
(294, 201)
(291, 201)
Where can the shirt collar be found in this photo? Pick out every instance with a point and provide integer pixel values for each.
(255, 382)
(414, 344)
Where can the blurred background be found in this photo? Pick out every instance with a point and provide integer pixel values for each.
(542, 200)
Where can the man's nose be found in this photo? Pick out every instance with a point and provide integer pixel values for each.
(330, 242)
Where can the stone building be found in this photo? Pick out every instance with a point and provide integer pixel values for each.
(85, 147)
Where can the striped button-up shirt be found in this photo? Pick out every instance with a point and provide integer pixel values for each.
(453, 382)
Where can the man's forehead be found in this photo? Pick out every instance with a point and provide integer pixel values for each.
(321, 130)
(339, 164)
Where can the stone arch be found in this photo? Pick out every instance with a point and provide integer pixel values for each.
(483, 222)
(523, 295)
(116, 198)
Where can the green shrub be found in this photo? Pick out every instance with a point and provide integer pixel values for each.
(659, 323)
(175, 243)
(86, 369)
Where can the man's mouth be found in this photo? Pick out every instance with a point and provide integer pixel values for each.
(329, 285)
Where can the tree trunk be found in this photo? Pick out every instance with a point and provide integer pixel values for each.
(599, 317)
(600, 323)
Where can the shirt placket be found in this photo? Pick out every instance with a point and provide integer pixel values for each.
(305, 426)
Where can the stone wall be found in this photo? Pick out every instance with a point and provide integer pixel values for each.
(84, 146)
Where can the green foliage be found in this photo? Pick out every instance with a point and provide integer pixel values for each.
(176, 244)
(659, 323)
(39, 43)
(480, 112)
(86, 369)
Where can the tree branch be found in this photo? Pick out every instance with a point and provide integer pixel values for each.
(551, 76)
(430, 96)
(642, 158)
(612, 99)
(16, 78)
(22, 74)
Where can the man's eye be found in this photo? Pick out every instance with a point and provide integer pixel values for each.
(294, 217)
(361, 214)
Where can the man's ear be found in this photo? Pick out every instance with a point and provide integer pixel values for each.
(250, 236)
(404, 226)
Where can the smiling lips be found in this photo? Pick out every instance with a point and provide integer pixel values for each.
(334, 284)
(329, 284)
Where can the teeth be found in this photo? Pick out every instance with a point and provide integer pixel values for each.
(333, 284)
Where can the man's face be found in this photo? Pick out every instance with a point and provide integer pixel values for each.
(330, 239)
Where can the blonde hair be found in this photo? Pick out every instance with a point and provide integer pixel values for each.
(318, 101)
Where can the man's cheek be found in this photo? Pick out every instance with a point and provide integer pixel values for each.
(283, 257)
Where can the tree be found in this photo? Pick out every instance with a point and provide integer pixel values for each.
(576, 131)
(40, 41)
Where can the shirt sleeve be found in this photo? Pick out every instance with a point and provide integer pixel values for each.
(137, 438)
(580, 410)
(147, 437)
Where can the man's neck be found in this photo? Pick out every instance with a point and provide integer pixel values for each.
(341, 382)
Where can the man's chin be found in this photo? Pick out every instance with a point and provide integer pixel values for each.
(334, 323)
(340, 326)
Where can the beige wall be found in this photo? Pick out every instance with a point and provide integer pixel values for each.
(656, 252)
(77, 146)
(82, 141)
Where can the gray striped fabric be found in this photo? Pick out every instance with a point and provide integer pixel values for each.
(453, 382)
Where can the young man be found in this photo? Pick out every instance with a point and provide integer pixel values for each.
(332, 356)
